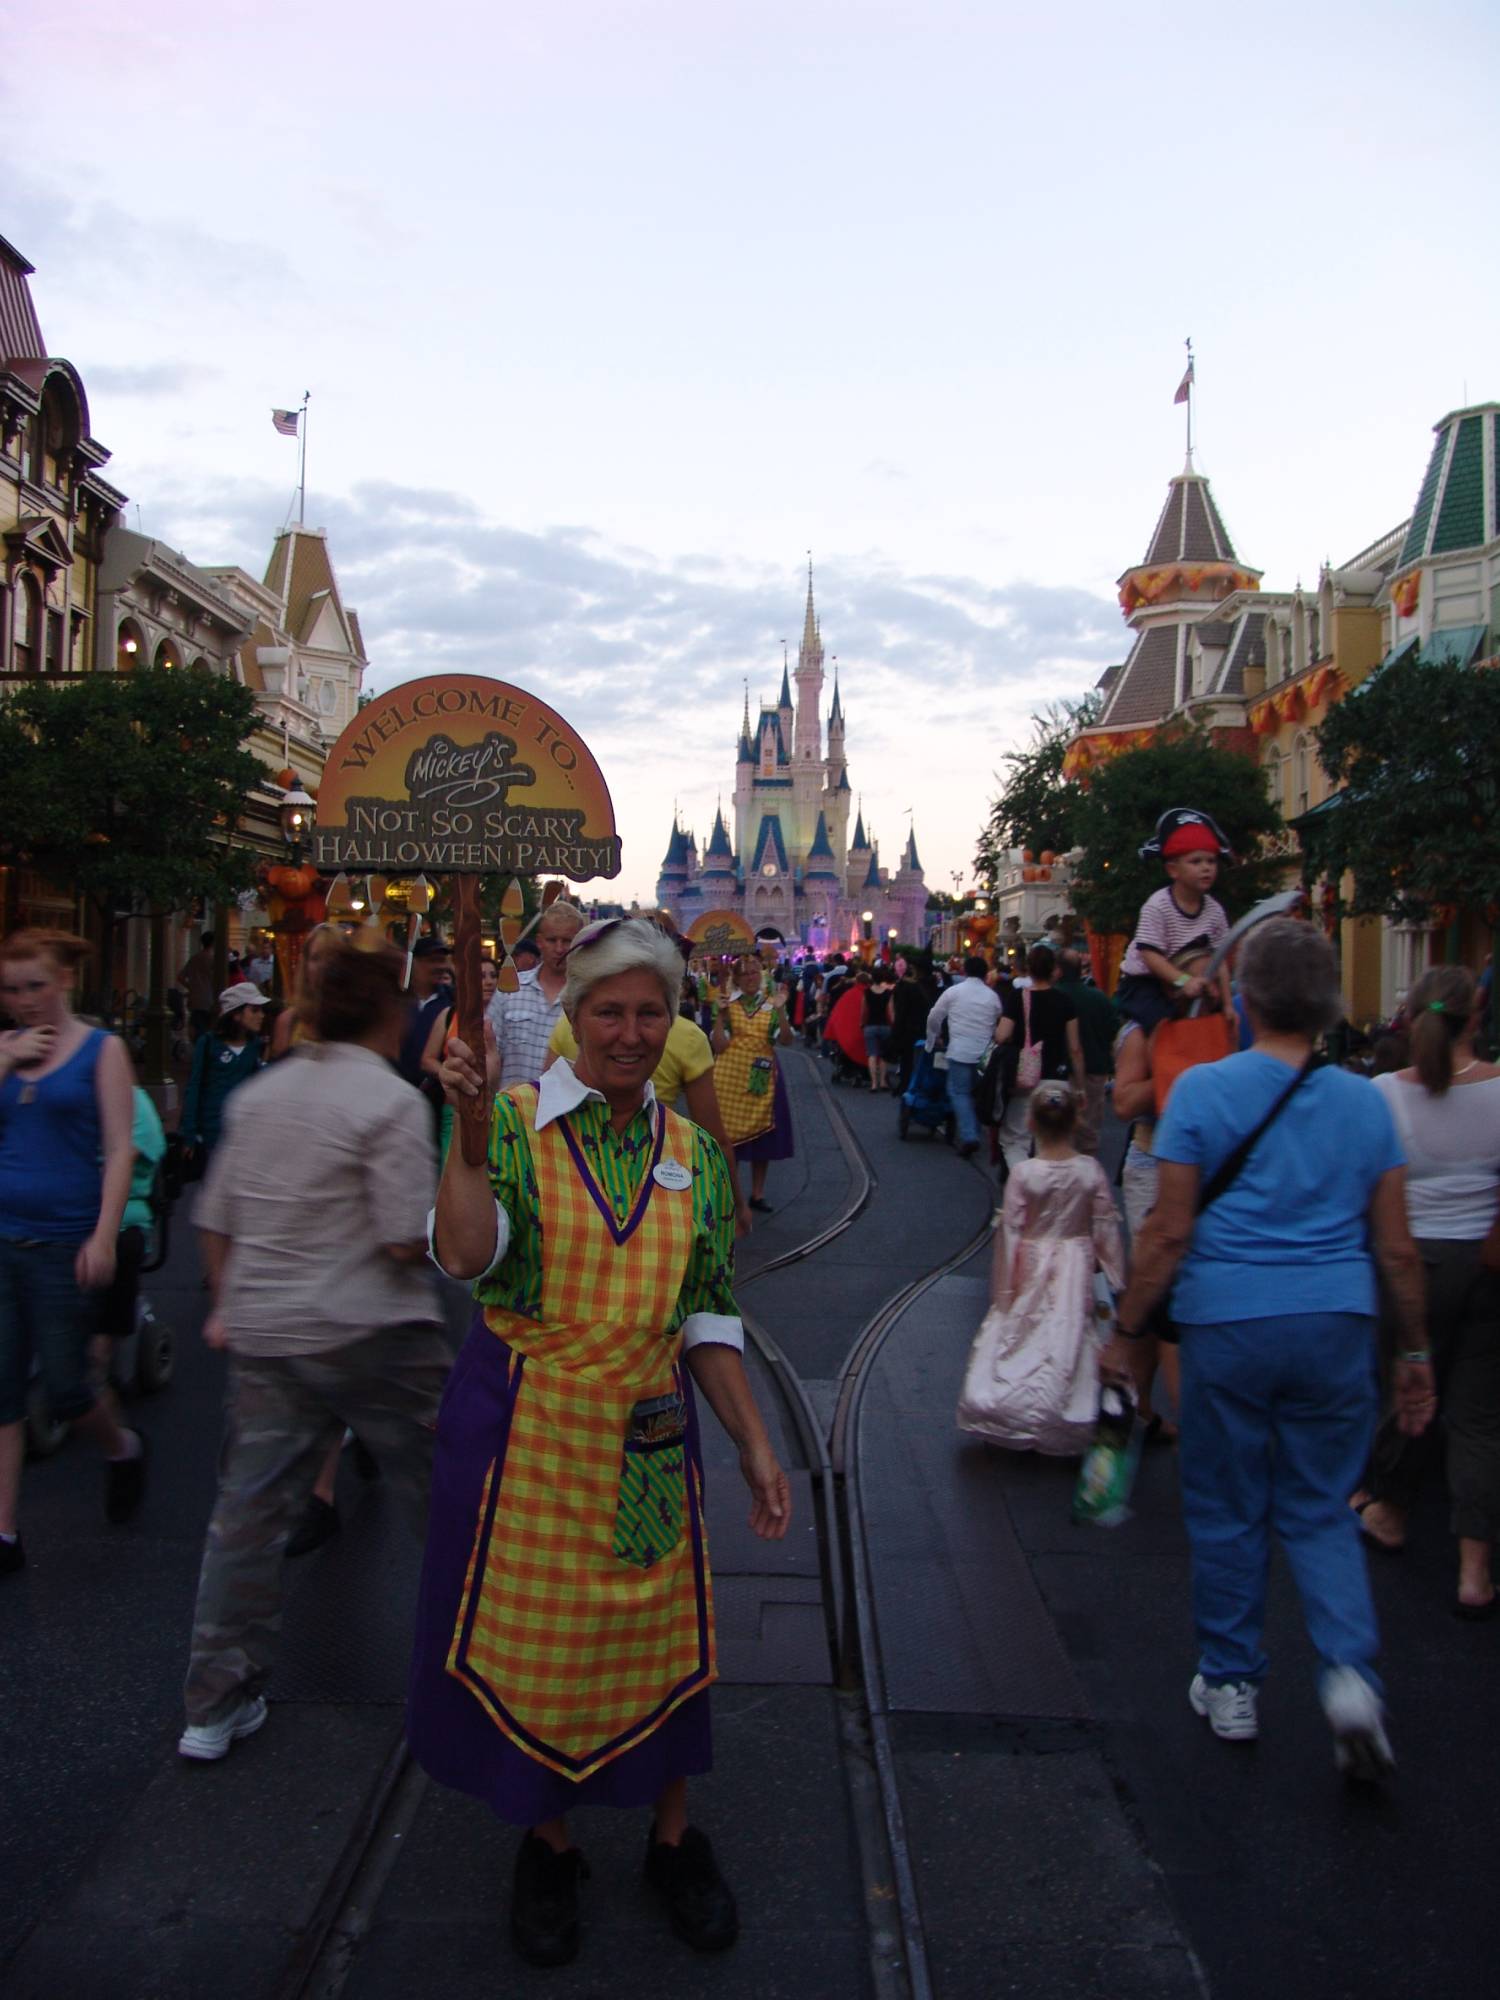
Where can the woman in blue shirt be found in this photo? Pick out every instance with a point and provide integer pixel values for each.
(64, 1177)
(1275, 1302)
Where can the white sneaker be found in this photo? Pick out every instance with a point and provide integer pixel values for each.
(1356, 1715)
(1230, 1708)
(209, 1741)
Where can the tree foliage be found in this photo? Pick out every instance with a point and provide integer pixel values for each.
(1118, 809)
(129, 785)
(1417, 751)
(1036, 805)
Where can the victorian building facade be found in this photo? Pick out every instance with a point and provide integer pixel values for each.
(791, 866)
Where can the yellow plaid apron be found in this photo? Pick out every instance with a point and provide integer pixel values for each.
(587, 1610)
(745, 1075)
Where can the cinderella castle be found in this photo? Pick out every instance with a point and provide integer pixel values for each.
(792, 867)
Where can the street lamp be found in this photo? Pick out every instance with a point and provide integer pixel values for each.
(296, 815)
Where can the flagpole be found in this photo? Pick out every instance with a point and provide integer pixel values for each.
(1190, 381)
(302, 471)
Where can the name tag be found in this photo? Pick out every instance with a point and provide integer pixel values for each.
(672, 1174)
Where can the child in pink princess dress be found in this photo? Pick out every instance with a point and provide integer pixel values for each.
(1031, 1383)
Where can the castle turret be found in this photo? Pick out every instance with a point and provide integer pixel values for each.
(716, 877)
(785, 713)
(835, 730)
(673, 879)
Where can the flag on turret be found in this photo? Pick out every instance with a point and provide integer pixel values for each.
(1184, 385)
(286, 421)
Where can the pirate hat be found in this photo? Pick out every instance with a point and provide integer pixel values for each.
(1185, 830)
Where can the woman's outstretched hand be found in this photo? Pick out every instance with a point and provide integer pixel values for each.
(770, 1494)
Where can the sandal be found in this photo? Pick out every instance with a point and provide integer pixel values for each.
(1475, 1614)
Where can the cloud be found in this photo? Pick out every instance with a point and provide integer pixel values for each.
(152, 378)
(648, 654)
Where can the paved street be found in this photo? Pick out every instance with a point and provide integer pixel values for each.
(1073, 1829)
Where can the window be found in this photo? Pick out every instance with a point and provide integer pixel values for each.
(28, 626)
(55, 629)
(127, 648)
(167, 655)
(1301, 767)
(1273, 778)
(78, 645)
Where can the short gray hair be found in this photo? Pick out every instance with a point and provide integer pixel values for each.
(1290, 978)
(620, 944)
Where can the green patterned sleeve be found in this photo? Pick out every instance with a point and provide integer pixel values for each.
(516, 1282)
(708, 1283)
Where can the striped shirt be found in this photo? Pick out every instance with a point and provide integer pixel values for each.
(1165, 926)
(523, 1022)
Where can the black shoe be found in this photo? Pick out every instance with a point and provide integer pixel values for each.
(968, 1149)
(319, 1524)
(544, 1904)
(125, 1486)
(12, 1557)
(760, 1206)
(365, 1463)
(698, 1899)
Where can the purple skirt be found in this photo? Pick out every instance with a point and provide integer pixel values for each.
(451, 1736)
(776, 1144)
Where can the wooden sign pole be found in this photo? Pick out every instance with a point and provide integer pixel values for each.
(468, 1007)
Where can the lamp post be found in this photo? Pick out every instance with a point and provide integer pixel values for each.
(291, 884)
(296, 816)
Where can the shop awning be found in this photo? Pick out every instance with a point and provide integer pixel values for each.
(1318, 812)
(1457, 646)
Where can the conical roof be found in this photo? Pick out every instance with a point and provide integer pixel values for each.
(1189, 527)
(677, 850)
(836, 713)
(910, 859)
(843, 783)
(859, 843)
(786, 688)
(822, 846)
(718, 841)
(872, 873)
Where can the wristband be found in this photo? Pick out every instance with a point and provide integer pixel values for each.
(1180, 981)
(1424, 1356)
(1126, 1333)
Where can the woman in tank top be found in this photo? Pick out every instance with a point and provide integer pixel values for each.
(65, 1161)
(1447, 1113)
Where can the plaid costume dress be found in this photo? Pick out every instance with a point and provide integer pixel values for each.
(565, 1633)
(745, 1074)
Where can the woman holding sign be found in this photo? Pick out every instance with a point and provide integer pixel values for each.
(565, 1639)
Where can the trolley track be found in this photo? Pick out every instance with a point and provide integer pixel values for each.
(323, 1956)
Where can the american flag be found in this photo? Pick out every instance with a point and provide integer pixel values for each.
(286, 421)
(1184, 385)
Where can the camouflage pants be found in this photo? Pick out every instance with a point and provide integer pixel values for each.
(282, 1412)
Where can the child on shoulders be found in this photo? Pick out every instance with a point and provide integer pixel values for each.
(1181, 915)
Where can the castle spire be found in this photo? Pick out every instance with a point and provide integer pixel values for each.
(810, 642)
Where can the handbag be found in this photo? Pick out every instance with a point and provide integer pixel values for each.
(1029, 1061)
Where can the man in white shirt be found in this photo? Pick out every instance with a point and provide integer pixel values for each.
(522, 1022)
(972, 1011)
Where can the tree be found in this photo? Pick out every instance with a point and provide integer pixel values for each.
(1121, 802)
(1416, 749)
(1036, 805)
(130, 785)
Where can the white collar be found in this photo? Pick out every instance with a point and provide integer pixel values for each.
(561, 1091)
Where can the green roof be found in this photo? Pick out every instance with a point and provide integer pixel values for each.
(1421, 515)
(1460, 522)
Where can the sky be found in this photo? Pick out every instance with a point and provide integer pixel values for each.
(611, 313)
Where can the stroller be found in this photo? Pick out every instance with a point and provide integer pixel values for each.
(925, 1100)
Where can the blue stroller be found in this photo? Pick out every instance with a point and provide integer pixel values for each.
(925, 1100)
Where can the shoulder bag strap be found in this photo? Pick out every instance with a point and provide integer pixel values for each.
(1026, 1017)
(1229, 1170)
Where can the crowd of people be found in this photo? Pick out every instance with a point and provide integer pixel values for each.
(1311, 1277)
